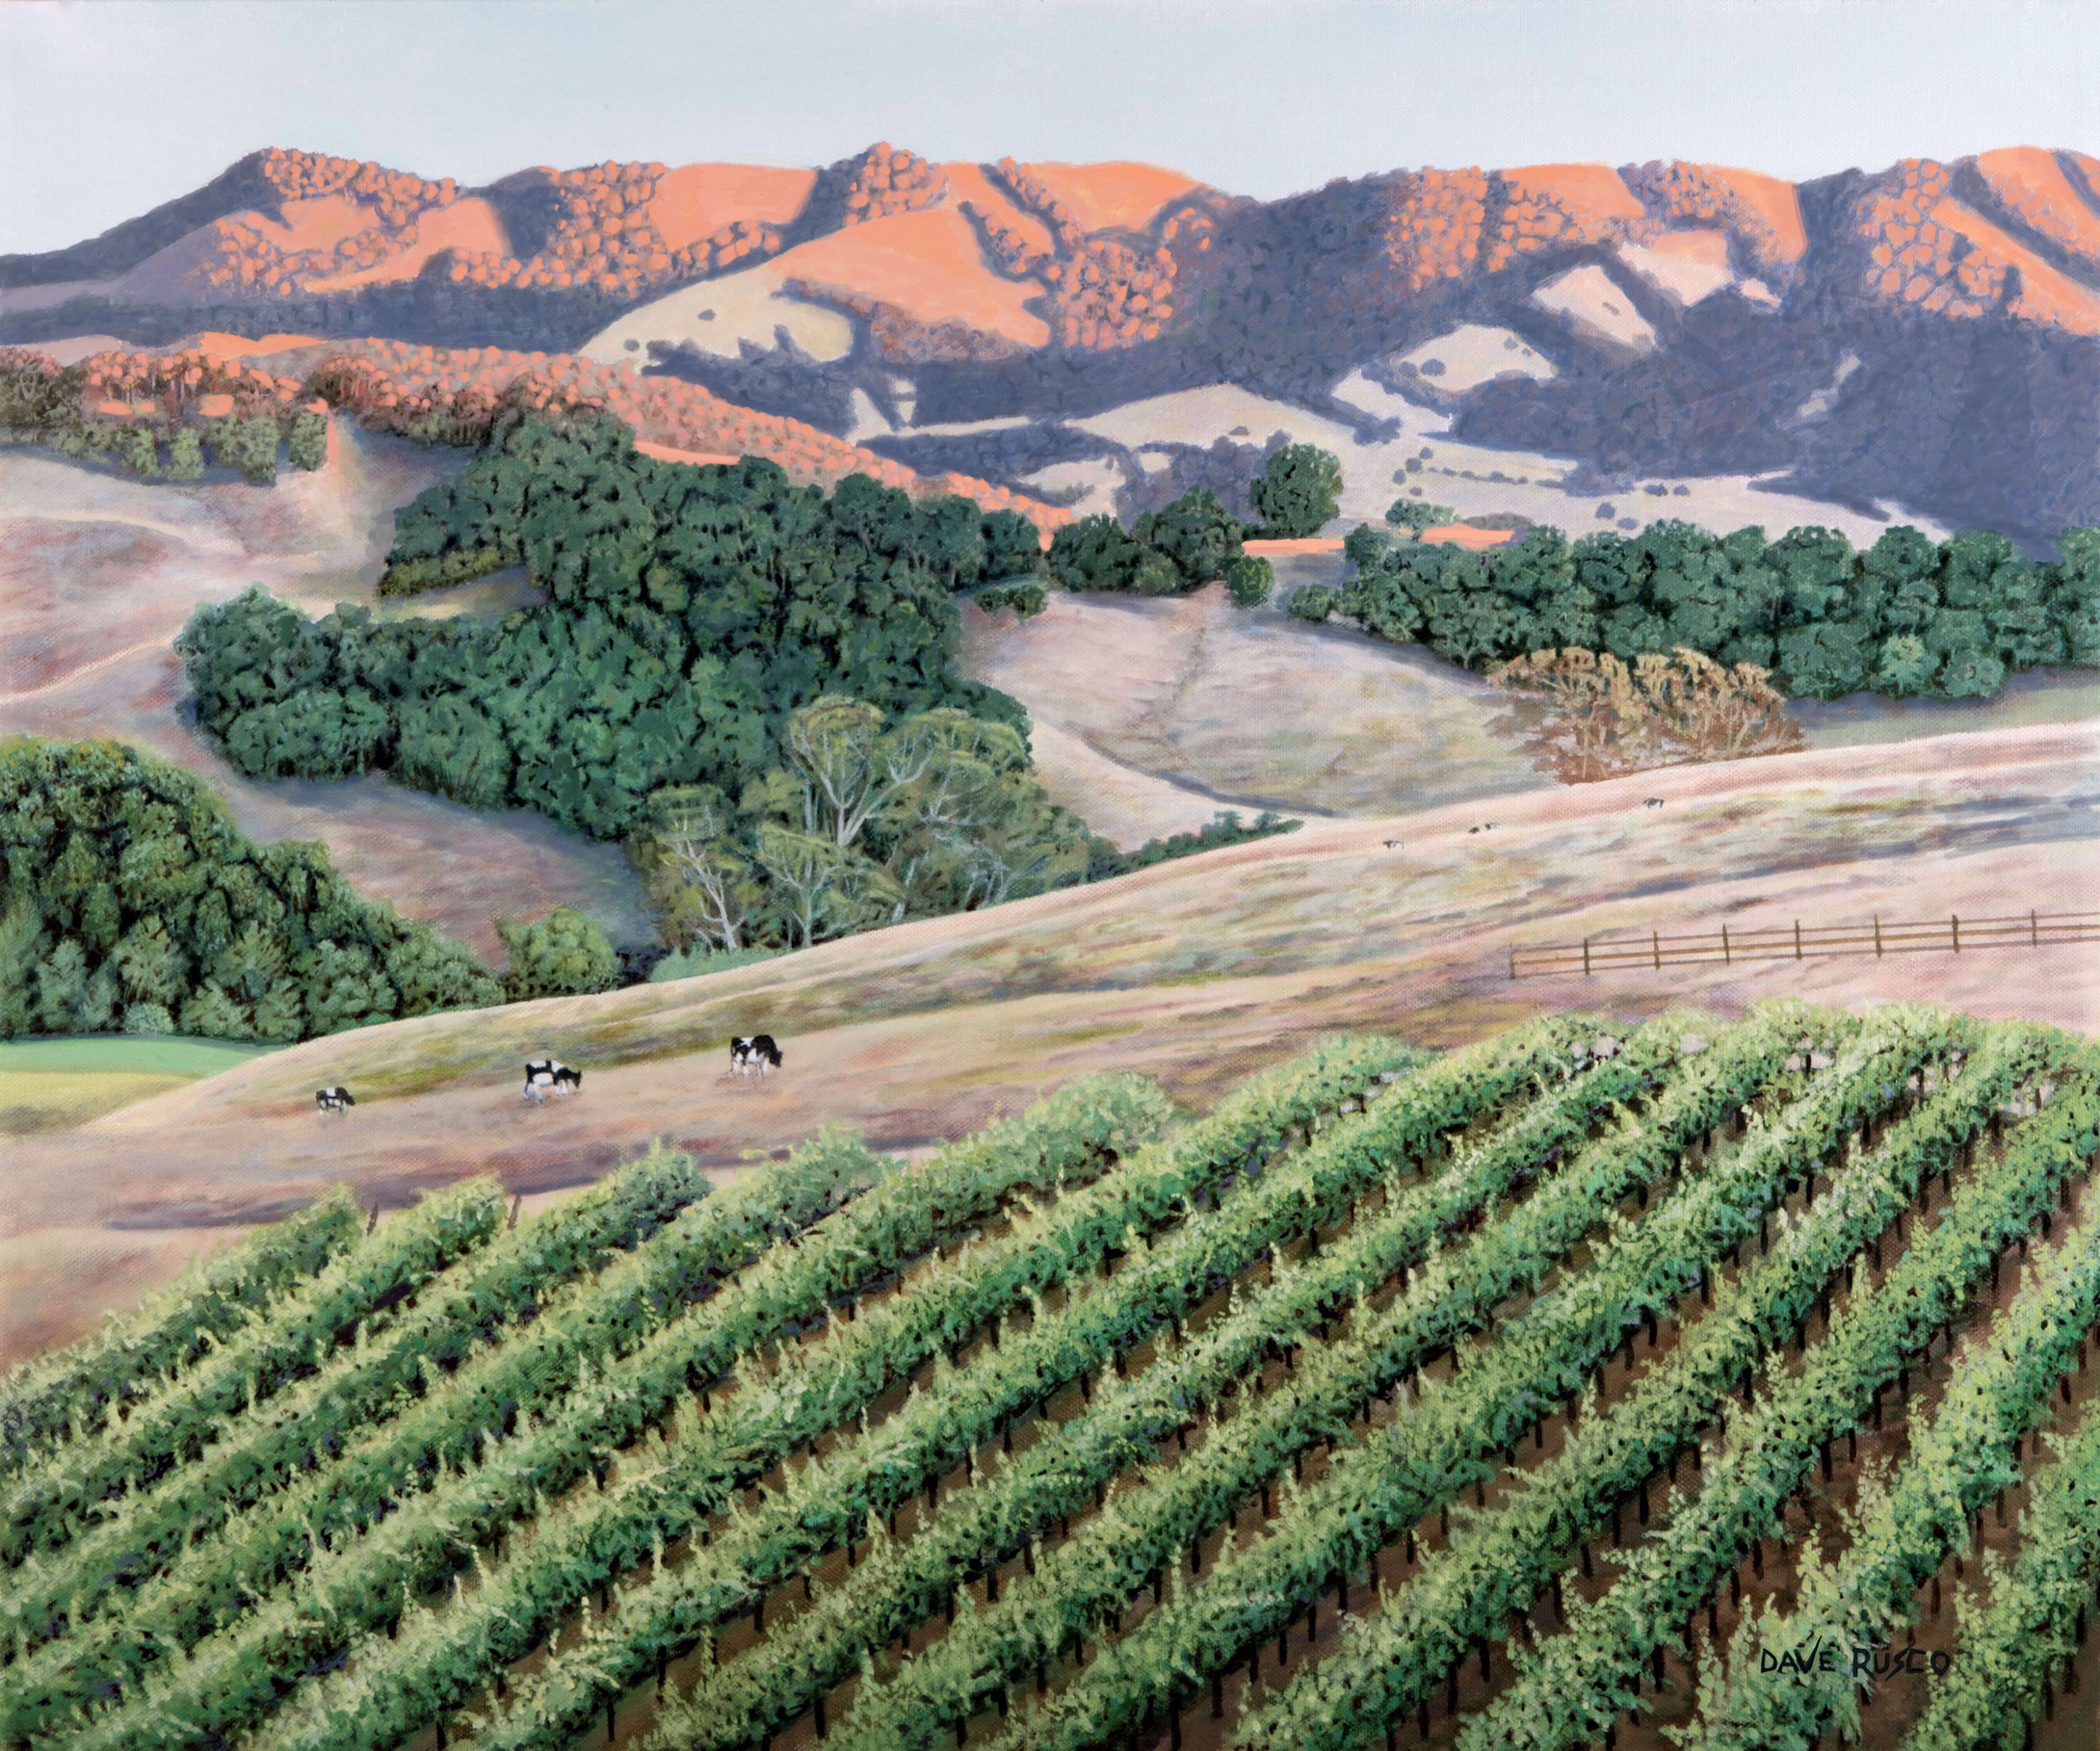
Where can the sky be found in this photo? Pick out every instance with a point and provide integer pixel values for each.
(108, 108)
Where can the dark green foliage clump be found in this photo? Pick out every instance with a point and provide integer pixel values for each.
(1315, 602)
(129, 902)
(1419, 514)
(1907, 616)
(1299, 492)
(1223, 828)
(1190, 543)
(1249, 579)
(564, 955)
(692, 610)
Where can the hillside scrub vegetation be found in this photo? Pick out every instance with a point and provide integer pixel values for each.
(129, 902)
(1908, 615)
(692, 610)
(156, 415)
(1603, 717)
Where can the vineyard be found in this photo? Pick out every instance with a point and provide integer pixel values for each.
(1573, 1388)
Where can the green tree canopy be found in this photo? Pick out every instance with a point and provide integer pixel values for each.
(691, 611)
(131, 900)
(1299, 492)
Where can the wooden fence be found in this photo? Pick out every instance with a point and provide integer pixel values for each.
(1799, 941)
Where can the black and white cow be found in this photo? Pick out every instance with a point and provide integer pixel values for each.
(1653, 802)
(551, 1076)
(754, 1050)
(332, 1100)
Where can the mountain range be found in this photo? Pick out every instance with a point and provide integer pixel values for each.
(1926, 336)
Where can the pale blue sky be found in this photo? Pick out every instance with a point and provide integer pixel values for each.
(108, 108)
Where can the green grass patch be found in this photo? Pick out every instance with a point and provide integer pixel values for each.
(127, 1053)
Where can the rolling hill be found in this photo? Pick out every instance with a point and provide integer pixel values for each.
(1928, 334)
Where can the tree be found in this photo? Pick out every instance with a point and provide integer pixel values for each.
(1094, 553)
(138, 452)
(306, 440)
(1298, 491)
(1418, 515)
(1313, 602)
(1249, 579)
(185, 455)
(564, 955)
(1013, 546)
(699, 873)
(1194, 532)
(1155, 575)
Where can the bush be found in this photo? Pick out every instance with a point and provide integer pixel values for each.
(1249, 579)
(306, 440)
(1025, 599)
(1195, 534)
(564, 955)
(1298, 491)
(1419, 514)
(185, 455)
(1094, 553)
(694, 962)
(1313, 602)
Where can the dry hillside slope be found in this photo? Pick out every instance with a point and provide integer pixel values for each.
(1197, 971)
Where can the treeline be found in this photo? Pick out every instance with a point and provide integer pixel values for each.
(1196, 540)
(1907, 616)
(692, 610)
(42, 403)
(129, 902)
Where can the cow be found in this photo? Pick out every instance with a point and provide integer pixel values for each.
(1392, 844)
(1653, 802)
(550, 1076)
(332, 1100)
(756, 1049)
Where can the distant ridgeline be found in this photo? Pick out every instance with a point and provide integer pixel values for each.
(129, 901)
(1908, 615)
(692, 609)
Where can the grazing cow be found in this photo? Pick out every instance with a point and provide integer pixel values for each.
(1392, 844)
(550, 1076)
(1653, 802)
(332, 1100)
(756, 1049)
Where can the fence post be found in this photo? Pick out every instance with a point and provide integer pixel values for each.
(1878, 936)
(2033, 929)
(1512, 961)
(1957, 917)
(1796, 940)
(1655, 939)
(1726, 953)
(1586, 957)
